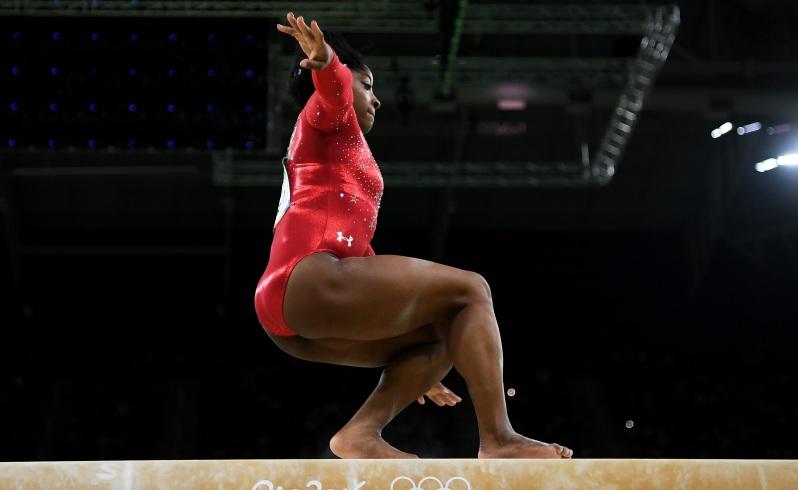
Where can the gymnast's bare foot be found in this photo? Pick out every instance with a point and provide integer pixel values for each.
(517, 446)
(360, 443)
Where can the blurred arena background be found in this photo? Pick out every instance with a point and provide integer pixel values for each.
(623, 174)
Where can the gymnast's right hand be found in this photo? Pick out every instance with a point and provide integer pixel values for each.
(311, 40)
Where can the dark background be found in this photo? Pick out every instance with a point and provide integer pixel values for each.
(666, 297)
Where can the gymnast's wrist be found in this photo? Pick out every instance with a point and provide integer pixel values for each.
(330, 56)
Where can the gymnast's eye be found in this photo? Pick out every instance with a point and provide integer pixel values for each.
(368, 87)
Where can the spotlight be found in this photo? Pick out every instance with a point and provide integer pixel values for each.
(723, 129)
(210, 144)
(53, 107)
(15, 70)
(134, 36)
(171, 144)
(766, 165)
(749, 128)
(132, 107)
(93, 107)
(171, 108)
(789, 160)
(56, 36)
(95, 36)
(54, 71)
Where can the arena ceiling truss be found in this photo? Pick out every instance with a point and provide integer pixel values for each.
(437, 78)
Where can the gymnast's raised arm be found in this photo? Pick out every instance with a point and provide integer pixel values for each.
(331, 79)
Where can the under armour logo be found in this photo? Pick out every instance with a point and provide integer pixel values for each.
(341, 237)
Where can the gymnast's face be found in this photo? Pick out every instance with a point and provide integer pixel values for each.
(365, 102)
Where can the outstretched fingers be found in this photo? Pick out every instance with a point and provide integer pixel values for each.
(285, 29)
(296, 28)
(310, 39)
(300, 21)
(292, 20)
(290, 30)
(316, 29)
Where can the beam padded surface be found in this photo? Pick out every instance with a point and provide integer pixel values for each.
(424, 474)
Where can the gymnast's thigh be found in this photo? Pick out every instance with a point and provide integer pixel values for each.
(359, 353)
(374, 298)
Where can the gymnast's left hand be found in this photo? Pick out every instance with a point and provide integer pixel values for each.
(441, 396)
(311, 40)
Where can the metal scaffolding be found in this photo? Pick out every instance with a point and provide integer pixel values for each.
(238, 170)
(651, 56)
(557, 19)
(353, 16)
(397, 16)
(657, 24)
(560, 73)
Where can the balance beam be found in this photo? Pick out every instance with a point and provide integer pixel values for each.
(423, 474)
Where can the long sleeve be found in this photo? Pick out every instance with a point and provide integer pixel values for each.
(328, 106)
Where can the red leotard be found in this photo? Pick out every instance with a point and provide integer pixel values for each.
(331, 191)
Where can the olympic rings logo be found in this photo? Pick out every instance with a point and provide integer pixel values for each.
(420, 485)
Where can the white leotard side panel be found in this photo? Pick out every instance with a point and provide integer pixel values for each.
(285, 198)
(285, 192)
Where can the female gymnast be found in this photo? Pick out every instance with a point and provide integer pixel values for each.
(326, 297)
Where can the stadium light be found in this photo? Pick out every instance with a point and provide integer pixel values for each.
(723, 129)
(788, 160)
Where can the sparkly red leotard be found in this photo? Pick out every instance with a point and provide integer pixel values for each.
(332, 188)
